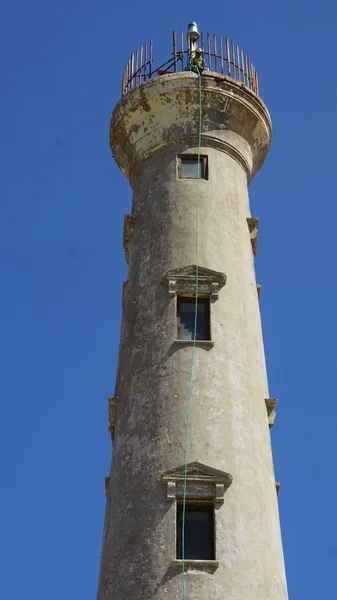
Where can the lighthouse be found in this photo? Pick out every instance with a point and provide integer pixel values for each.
(191, 500)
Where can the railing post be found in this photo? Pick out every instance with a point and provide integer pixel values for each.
(209, 51)
(175, 51)
(140, 64)
(221, 55)
(182, 50)
(233, 57)
(215, 54)
(131, 70)
(151, 60)
(238, 57)
(136, 68)
(128, 83)
(145, 61)
(228, 58)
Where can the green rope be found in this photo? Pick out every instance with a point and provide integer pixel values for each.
(193, 347)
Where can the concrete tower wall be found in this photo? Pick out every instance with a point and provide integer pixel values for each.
(229, 426)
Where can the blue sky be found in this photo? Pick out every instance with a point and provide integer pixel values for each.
(62, 202)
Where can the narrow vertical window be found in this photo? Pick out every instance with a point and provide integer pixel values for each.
(199, 532)
(191, 166)
(186, 319)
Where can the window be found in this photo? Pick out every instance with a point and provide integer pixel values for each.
(199, 532)
(192, 167)
(186, 318)
(205, 489)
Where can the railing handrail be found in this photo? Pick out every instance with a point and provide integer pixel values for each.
(230, 61)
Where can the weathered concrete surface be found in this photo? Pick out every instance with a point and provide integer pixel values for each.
(229, 424)
(167, 108)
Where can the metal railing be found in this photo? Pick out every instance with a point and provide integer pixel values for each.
(221, 55)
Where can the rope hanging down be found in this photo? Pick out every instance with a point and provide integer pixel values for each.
(194, 345)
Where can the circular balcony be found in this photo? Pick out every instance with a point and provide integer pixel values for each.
(221, 55)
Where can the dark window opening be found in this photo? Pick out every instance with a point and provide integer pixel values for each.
(186, 319)
(199, 532)
(192, 167)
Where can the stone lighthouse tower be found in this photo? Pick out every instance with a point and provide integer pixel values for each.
(191, 508)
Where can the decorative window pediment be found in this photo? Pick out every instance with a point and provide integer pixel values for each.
(253, 225)
(271, 413)
(113, 404)
(202, 483)
(107, 485)
(183, 282)
(129, 227)
(124, 287)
